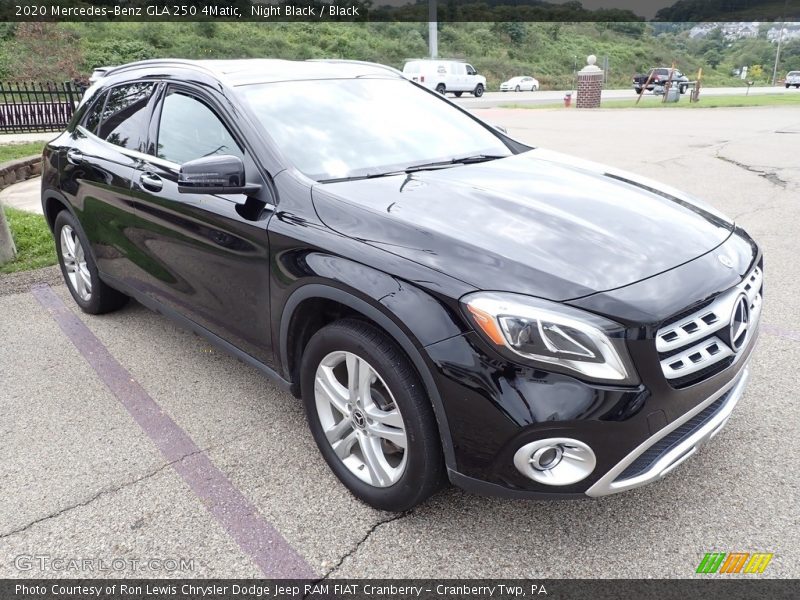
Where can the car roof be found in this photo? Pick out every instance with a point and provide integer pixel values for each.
(263, 70)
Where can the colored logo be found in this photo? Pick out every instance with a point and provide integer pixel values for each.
(734, 562)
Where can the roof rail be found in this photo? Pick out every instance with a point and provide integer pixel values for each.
(154, 62)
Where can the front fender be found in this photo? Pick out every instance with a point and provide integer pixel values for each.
(412, 316)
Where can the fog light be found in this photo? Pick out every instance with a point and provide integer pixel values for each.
(555, 461)
(546, 457)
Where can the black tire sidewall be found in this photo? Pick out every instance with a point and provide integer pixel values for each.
(423, 472)
(478, 91)
(65, 218)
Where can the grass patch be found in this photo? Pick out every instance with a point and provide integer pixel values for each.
(14, 151)
(705, 102)
(35, 247)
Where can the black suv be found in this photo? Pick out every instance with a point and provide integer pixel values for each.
(447, 302)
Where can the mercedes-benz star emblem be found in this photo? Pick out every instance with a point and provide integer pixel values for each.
(725, 260)
(358, 419)
(740, 321)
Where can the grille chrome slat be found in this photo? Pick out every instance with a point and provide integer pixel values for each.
(695, 358)
(689, 345)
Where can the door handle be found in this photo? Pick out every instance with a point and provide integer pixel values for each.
(151, 181)
(74, 157)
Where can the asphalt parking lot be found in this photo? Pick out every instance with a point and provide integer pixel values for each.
(126, 437)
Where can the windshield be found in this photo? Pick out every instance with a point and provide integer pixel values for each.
(341, 128)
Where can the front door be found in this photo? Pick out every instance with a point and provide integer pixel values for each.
(200, 256)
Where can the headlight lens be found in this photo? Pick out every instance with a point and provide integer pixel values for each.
(554, 334)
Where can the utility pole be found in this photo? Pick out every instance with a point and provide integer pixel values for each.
(780, 41)
(433, 29)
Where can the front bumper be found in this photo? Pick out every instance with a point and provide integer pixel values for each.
(661, 453)
(638, 434)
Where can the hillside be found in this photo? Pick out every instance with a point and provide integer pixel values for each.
(550, 51)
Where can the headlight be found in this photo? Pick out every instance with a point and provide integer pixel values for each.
(554, 334)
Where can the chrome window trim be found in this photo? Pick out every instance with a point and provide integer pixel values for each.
(607, 485)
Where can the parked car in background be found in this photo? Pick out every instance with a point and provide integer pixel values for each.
(520, 84)
(793, 79)
(660, 76)
(446, 76)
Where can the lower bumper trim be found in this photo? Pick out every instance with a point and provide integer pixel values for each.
(671, 446)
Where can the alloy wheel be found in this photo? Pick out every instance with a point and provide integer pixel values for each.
(360, 419)
(74, 258)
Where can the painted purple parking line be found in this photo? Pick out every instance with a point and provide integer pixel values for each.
(237, 515)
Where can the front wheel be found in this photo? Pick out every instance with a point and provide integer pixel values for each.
(684, 88)
(787, 86)
(79, 269)
(639, 90)
(478, 91)
(517, 89)
(369, 416)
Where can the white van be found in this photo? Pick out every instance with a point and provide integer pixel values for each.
(446, 76)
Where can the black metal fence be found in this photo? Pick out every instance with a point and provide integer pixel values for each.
(37, 106)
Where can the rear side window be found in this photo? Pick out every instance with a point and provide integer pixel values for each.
(126, 115)
(92, 118)
(189, 129)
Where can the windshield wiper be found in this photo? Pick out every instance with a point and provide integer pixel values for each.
(442, 164)
(462, 160)
(357, 177)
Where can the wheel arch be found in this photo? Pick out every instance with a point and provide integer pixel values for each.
(52, 204)
(292, 341)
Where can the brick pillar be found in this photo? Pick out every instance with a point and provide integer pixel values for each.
(590, 85)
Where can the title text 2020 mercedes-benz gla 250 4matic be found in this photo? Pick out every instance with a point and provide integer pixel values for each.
(447, 302)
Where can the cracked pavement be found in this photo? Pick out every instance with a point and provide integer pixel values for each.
(80, 479)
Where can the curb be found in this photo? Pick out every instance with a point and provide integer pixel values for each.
(20, 169)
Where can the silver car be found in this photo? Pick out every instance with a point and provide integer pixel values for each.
(520, 84)
(793, 78)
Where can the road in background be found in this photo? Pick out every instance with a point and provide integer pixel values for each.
(490, 99)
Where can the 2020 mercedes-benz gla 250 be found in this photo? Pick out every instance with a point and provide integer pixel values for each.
(447, 302)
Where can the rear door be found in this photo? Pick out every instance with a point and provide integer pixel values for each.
(201, 255)
(99, 165)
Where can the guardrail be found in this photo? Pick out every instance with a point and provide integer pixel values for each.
(37, 106)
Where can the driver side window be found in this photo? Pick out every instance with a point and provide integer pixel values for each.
(189, 129)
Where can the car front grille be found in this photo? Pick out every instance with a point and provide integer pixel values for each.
(696, 345)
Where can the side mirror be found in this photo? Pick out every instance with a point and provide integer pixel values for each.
(222, 174)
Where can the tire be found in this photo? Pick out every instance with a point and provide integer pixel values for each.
(414, 473)
(684, 88)
(478, 90)
(441, 89)
(787, 86)
(517, 89)
(638, 90)
(79, 269)
(457, 94)
(798, 86)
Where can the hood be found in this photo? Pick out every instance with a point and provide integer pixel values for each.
(537, 223)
